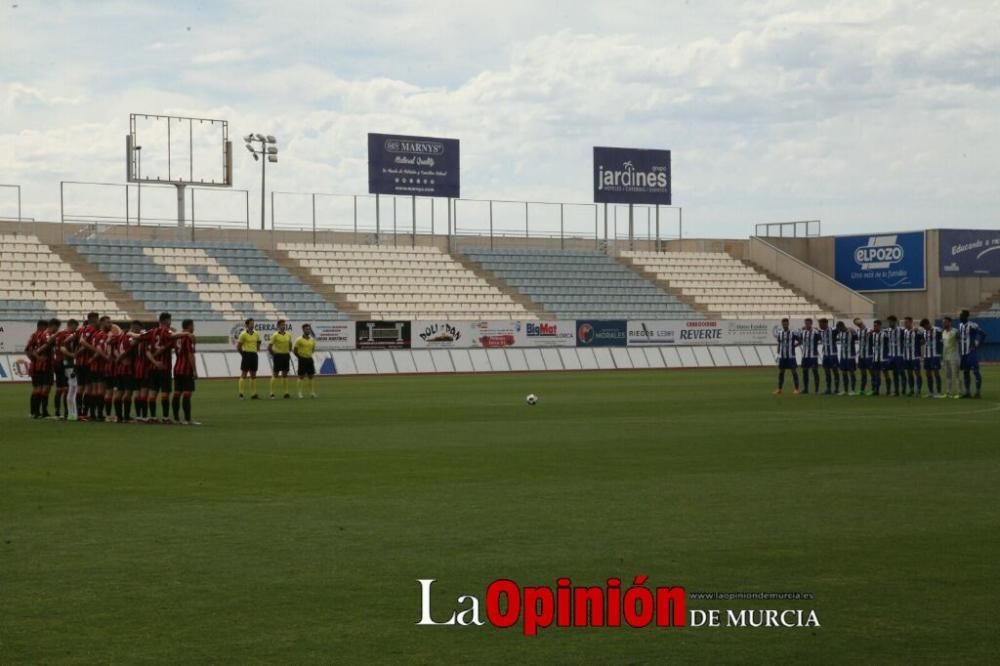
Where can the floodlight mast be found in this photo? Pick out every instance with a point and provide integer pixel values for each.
(267, 152)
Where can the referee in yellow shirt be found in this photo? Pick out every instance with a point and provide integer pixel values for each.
(280, 348)
(248, 344)
(305, 347)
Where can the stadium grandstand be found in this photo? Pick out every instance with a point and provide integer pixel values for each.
(36, 283)
(384, 282)
(725, 285)
(206, 280)
(219, 279)
(580, 284)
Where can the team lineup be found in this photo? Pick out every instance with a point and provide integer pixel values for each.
(100, 371)
(897, 356)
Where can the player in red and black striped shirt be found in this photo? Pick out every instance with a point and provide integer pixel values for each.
(94, 402)
(31, 348)
(126, 354)
(84, 352)
(158, 354)
(185, 372)
(59, 362)
(108, 370)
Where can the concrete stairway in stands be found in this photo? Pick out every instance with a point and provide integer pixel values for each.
(348, 307)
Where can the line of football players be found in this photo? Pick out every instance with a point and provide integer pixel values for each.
(897, 357)
(101, 371)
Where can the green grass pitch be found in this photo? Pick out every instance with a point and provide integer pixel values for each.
(294, 532)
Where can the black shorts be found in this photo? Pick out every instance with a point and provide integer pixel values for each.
(95, 376)
(184, 384)
(249, 362)
(282, 362)
(125, 383)
(62, 379)
(159, 380)
(41, 378)
(82, 375)
(307, 367)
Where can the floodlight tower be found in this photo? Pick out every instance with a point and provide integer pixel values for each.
(267, 152)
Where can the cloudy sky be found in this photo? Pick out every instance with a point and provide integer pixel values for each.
(877, 114)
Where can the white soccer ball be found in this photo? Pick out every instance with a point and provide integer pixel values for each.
(532, 399)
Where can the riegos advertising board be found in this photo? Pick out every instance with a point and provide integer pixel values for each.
(420, 166)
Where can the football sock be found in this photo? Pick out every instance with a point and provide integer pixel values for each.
(298, 385)
(118, 409)
(186, 401)
(151, 407)
(253, 385)
(177, 406)
(272, 385)
(979, 381)
(241, 385)
(127, 408)
(312, 385)
(165, 405)
(34, 403)
(284, 384)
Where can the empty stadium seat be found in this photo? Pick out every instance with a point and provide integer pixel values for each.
(207, 280)
(725, 285)
(405, 283)
(36, 283)
(580, 284)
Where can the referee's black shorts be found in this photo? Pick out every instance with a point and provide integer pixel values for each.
(307, 368)
(282, 362)
(249, 362)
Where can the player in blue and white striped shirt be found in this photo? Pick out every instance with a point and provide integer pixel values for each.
(878, 347)
(864, 354)
(847, 351)
(970, 338)
(788, 340)
(809, 340)
(912, 343)
(933, 348)
(831, 364)
(892, 364)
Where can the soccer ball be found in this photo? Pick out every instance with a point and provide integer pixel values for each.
(532, 399)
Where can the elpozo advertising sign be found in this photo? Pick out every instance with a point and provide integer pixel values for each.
(881, 262)
(632, 176)
(968, 253)
(420, 166)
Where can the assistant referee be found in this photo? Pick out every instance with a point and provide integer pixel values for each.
(305, 347)
(248, 344)
(279, 347)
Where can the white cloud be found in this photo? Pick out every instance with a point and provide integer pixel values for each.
(863, 113)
